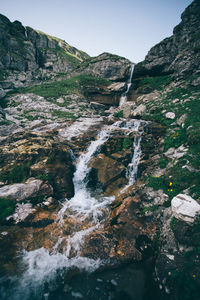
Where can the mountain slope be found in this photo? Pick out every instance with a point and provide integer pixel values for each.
(178, 54)
(25, 49)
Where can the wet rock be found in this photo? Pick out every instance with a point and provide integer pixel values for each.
(108, 170)
(22, 191)
(117, 86)
(185, 208)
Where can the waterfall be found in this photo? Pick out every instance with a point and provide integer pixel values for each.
(132, 168)
(42, 266)
(123, 98)
(25, 32)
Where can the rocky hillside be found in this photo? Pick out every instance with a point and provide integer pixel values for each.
(25, 49)
(46, 127)
(178, 54)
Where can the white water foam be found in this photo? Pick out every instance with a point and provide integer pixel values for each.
(132, 168)
(42, 266)
(79, 127)
(123, 98)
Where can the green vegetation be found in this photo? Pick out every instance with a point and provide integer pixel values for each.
(64, 87)
(127, 143)
(43, 177)
(118, 114)
(63, 114)
(3, 102)
(176, 139)
(173, 223)
(186, 285)
(151, 208)
(7, 208)
(154, 83)
(3, 75)
(163, 162)
(18, 173)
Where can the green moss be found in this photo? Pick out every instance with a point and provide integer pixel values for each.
(7, 208)
(127, 143)
(43, 177)
(173, 223)
(118, 114)
(18, 173)
(3, 102)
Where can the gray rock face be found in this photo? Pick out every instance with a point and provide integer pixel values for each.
(22, 191)
(106, 65)
(23, 48)
(179, 53)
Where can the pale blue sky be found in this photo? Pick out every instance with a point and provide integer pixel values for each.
(125, 27)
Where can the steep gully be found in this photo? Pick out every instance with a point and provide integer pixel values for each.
(41, 267)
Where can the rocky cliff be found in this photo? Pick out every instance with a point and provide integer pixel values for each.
(25, 49)
(178, 54)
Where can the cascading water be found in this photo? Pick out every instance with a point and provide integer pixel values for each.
(43, 266)
(123, 98)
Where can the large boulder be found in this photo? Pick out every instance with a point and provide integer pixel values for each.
(22, 191)
(108, 170)
(185, 208)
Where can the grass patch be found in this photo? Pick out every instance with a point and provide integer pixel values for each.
(17, 174)
(7, 208)
(163, 162)
(127, 143)
(63, 114)
(118, 114)
(176, 139)
(57, 89)
(155, 83)
(150, 208)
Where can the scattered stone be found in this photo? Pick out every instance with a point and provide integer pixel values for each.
(170, 115)
(22, 211)
(4, 233)
(139, 110)
(2, 93)
(97, 106)
(185, 208)
(157, 197)
(176, 153)
(60, 100)
(182, 119)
